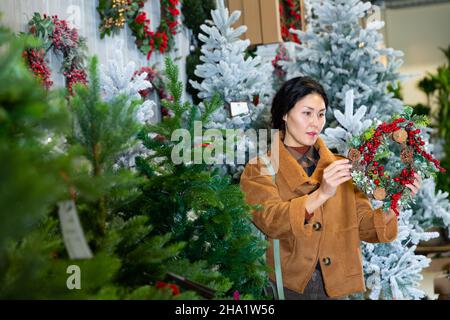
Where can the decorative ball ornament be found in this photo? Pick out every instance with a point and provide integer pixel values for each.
(385, 158)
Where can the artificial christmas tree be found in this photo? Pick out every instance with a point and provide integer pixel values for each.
(117, 79)
(240, 81)
(46, 162)
(342, 55)
(198, 206)
(227, 71)
(36, 164)
(104, 130)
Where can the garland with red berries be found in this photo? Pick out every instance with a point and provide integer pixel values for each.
(290, 19)
(115, 13)
(56, 35)
(374, 155)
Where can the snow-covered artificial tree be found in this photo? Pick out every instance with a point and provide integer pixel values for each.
(120, 79)
(432, 209)
(392, 270)
(343, 55)
(227, 71)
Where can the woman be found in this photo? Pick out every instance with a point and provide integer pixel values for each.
(311, 204)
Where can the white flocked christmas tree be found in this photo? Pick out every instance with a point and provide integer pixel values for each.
(343, 55)
(226, 70)
(119, 79)
(351, 63)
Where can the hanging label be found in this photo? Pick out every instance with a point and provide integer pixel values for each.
(238, 108)
(73, 235)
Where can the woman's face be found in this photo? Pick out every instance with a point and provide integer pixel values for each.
(304, 119)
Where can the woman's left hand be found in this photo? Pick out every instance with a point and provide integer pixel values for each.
(416, 185)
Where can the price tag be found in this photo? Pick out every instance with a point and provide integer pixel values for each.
(238, 108)
(73, 234)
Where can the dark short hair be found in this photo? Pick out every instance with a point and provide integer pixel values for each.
(289, 94)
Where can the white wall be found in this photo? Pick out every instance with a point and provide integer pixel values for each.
(418, 32)
(83, 15)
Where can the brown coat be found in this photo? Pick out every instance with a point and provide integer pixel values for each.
(333, 234)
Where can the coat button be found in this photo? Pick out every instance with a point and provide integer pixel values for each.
(326, 261)
(317, 226)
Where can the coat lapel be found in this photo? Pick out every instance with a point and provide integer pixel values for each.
(293, 172)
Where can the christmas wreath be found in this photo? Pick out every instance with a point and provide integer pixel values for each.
(386, 156)
(115, 13)
(290, 19)
(55, 34)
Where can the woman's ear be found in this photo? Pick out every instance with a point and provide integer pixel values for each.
(285, 117)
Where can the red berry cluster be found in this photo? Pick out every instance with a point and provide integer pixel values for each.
(173, 287)
(417, 142)
(290, 19)
(394, 202)
(378, 170)
(405, 176)
(73, 76)
(281, 56)
(63, 37)
(36, 62)
(373, 143)
(162, 38)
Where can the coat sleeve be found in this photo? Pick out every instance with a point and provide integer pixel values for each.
(372, 223)
(276, 217)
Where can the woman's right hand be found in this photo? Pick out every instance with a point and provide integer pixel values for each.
(335, 174)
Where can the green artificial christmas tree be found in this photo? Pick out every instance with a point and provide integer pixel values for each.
(51, 154)
(196, 205)
(33, 261)
(103, 131)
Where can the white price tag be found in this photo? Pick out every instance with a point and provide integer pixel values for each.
(238, 108)
(73, 234)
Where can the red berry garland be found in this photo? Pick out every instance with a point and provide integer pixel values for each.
(377, 172)
(58, 36)
(115, 13)
(290, 19)
(37, 64)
